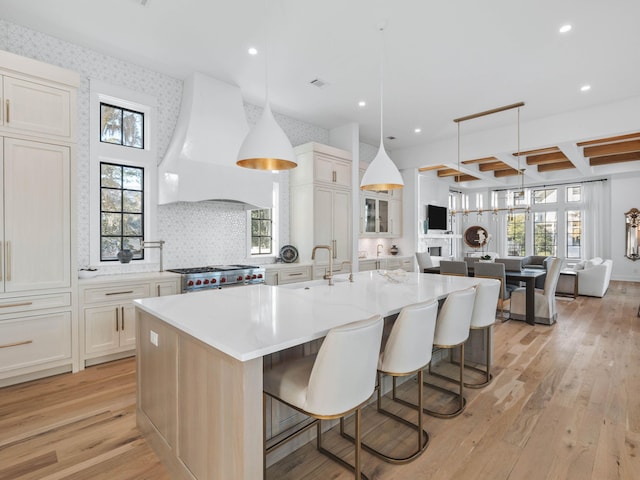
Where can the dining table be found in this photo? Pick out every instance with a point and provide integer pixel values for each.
(527, 275)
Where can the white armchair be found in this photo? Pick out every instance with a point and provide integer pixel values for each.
(593, 278)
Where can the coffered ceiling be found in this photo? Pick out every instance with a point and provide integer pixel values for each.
(441, 60)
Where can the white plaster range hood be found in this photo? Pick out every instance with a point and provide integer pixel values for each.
(200, 163)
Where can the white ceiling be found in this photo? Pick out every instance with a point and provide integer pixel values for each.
(442, 59)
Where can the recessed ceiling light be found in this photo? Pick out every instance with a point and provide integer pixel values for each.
(362, 103)
(565, 28)
(417, 130)
(585, 88)
(253, 51)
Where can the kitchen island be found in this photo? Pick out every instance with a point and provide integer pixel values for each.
(200, 359)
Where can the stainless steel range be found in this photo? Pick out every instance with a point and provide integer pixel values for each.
(219, 276)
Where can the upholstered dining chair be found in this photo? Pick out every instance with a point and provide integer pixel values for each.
(424, 261)
(334, 383)
(545, 300)
(407, 352)
(450, 267)
(497, 271)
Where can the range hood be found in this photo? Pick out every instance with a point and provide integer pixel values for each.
(200, 161)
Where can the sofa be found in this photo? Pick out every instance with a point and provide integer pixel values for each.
(593, 278)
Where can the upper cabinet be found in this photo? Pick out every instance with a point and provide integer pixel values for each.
(380, 213)
(34, 108)
(320, 206)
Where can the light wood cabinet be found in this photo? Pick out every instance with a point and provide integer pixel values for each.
(33, 107)
(107, 314)
(320, 207)
(37, 231)
(283, 275)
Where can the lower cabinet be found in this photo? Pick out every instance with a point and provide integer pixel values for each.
(107, 314)
(282, 275)
(390, 263)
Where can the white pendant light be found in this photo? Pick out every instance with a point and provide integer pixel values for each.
(382, 174)
(266, 146)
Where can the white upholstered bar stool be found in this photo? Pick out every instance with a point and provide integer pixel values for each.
(332, 384)
(452, 330)
(407, 352)
(483, 318)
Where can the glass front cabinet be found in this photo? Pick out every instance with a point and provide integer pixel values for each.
(375, 216)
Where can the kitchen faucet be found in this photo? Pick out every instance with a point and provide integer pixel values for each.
(154, 244)
(380, 246)
(327, 276)
(348, 262)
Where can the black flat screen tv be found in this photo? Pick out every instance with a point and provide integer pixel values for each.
(436, 217)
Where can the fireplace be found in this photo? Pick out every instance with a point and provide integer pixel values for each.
(435, 251)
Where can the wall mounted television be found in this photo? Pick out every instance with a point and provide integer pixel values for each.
(436, 217)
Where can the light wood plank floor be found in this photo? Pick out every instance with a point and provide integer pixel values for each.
(565, 404)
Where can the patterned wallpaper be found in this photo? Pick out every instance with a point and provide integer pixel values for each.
(195, 233)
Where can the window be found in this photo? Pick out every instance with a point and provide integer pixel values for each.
(574, 233)
(574, 194)
(545, 229)
(545, 196)
(121, 126)
(516, 234)
(121, 210)
(261, 232)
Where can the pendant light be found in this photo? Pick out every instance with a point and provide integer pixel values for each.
(266, 146)
(382, 174)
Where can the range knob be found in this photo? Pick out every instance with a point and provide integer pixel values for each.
(259, 275)
(248, 277)
(240, 278)
(213, 280)
(206, 281)
(253, 276)
(190, 283)
(198, 282)
(223, 280)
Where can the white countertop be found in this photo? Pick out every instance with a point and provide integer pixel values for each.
(129, 277)
(252, 321)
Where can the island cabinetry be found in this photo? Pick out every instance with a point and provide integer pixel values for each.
(38, 322)
(200, 409)
(108, 315)
(388, 263)
(283, 275)
(320, 207)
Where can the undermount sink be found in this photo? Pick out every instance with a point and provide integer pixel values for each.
(316, 283)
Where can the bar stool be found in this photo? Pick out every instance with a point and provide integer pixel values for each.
(483, 318)
(407, 352)
(332, 384)
(448, 267)
(452, 330)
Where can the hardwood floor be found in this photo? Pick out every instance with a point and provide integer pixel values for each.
(564, 404)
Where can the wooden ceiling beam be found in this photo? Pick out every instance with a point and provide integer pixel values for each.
(505, 173)
(431, 167)
(465, 178)
(480, 160)
(618, 138)
(546, 158)
(448, 172)
(493, 166)
(552, 167)
(537, 151)
(612, 148)
(609, 159)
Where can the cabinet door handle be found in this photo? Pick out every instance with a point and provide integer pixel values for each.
(7, 260)
(6, 117)
(334, 176)
(21, 304)
(1, 268)
(17, 344)
(122, 319)
(158, 290)
(119, 293)
(117, 320)
(295, 274)
(335, 248)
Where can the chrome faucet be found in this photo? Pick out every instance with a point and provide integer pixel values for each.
(348, 262)
(327, 276)
(378, 248)
(154, 244)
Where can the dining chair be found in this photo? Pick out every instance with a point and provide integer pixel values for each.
(545, 300)
(450, 267)
(497, 271)
(424, 261)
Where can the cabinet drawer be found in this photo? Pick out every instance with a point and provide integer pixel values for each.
(35, 340)
(292, 275)
(116, 293)
(26, 304)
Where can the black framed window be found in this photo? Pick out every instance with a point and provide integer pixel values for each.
(121, 210)
(121, 126)
(261, 232)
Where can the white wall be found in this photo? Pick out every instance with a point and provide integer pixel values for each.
(624, 197)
